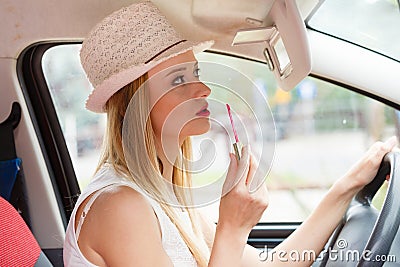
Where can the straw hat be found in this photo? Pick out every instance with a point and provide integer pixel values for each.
(127, 44)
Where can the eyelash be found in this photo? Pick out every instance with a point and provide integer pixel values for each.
(196, 72)
(180, 79)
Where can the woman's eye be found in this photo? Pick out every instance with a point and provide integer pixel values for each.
(196, 72)
(178, 80)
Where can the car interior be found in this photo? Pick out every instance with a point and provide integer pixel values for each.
(328, 72)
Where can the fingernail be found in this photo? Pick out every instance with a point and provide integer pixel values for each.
(392, 141)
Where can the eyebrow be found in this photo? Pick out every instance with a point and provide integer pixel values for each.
(175, 70)
(195, 66)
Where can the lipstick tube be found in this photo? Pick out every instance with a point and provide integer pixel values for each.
(236, 146)
(237, 149)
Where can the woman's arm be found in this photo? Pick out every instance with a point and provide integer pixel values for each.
(314, 232)
(239, 211)
(121, 228)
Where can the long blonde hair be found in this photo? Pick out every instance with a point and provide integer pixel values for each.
(137, 136)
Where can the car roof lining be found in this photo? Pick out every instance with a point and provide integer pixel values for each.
(18, 16)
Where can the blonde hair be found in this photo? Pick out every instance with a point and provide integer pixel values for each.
(137, 136)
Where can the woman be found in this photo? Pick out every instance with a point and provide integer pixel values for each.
(134, 212)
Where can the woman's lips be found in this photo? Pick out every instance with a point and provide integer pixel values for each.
(204, 112)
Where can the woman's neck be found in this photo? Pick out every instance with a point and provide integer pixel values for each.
(168, 152)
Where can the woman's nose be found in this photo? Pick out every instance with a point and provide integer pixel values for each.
(202, 90)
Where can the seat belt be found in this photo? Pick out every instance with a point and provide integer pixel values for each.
(12, 181)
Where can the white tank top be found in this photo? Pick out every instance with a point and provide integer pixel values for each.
(172, 241)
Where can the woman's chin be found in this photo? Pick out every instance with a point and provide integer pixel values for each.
(201, 126)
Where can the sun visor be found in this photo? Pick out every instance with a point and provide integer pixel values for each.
(276, 25)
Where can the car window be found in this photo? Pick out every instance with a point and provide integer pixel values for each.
(320, 130)
(372, 24)
(69, 87)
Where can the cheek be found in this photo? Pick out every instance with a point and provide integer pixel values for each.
(162, 113)
(173, 111)
(157, 115)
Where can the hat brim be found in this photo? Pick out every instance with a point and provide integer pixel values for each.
(101, 93)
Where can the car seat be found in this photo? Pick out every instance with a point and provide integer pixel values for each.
(18, 246)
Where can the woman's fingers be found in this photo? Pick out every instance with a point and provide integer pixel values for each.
(261, 193)
(243, 168)
(231, 178)
(378, 150)
(365, 170)
(391, 143)
(237, 172)
(240, 208)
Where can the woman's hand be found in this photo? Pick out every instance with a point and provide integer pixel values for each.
(314, 232)
(364, 171)
(239, 209)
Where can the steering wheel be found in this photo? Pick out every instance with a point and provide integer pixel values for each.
(351, 243)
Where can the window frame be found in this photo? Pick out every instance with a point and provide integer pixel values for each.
(47, 127)
(56, 155)
(309, 27)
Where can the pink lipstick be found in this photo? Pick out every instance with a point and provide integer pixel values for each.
(204, 112)
(236, 144)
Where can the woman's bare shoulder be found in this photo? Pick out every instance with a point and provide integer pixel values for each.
(122, 206)
(123, 228)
